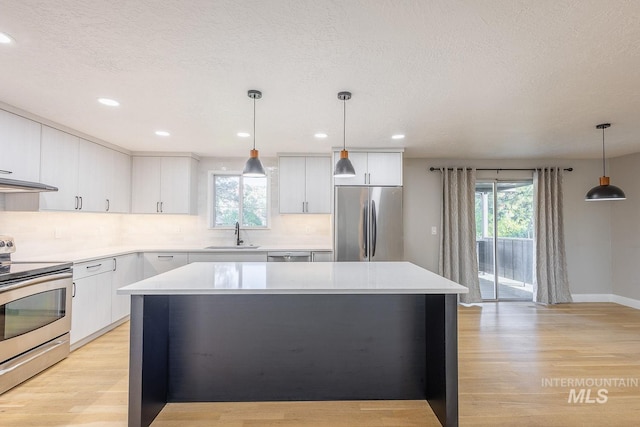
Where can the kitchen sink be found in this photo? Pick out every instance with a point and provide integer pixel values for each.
(234, 247)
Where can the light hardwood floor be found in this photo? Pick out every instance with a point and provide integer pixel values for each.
(507, 351)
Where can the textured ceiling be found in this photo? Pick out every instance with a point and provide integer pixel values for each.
(461, 79)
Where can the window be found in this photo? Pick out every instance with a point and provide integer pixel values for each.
(239, 199)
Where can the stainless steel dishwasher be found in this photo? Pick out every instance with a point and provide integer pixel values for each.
(293, 256)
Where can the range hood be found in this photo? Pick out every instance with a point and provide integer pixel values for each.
(17, 186)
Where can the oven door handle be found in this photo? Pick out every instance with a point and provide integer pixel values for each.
(37, 280)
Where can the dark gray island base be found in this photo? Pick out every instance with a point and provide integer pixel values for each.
(293, 347)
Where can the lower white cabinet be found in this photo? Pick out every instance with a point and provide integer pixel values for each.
(127, 270)
(91, 302)
(159, 262)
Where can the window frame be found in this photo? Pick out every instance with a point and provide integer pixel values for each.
(211, 197)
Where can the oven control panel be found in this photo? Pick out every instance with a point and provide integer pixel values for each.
(7, 245)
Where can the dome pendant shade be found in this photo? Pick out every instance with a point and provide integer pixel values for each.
(344, 168)
(604, 191)
(253, 168)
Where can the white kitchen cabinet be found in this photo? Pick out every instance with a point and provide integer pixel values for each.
(305, 184)
(160, 262)
(118, 190)
(164, 185)
(88, 176)
(91, 302)
(94, 167)
(238, 255)
(19, 147)
(127, 270)
(373, 168)
(59, 167)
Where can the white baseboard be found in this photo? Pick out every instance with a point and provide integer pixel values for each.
(629, 302)
(592, 297)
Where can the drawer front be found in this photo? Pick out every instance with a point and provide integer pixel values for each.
(91, 268)
(160, 262)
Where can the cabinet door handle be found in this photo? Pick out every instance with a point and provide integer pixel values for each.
(161, 207)
(108, 205)
(115, 264)
(157, 206)
(73, 290)
(80, 208)
(5, 172)
(76, 203)
(165, 256)
(94, 266)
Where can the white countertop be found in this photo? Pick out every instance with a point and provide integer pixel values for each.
(107, 252)
(295, 278)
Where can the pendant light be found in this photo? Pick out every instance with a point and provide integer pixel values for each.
(344, 168)
(253, 167)
(604, 191)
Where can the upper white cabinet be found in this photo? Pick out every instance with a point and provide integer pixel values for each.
(89, 177)
(373, 168)
(164, 185)
(59, 167)
(118, 189)
(19, 148)
(305, 184)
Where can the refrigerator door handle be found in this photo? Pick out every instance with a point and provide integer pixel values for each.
(365, 226)
(374, 228)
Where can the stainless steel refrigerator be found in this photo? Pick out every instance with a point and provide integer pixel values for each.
(368, 224)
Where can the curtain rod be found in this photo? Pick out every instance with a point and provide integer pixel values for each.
(432, 169)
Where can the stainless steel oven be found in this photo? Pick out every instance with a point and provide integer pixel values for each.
(35, 316)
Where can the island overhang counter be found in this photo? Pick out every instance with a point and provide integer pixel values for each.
(256, 331)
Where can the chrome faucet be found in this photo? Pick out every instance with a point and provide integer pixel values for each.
(238, 241)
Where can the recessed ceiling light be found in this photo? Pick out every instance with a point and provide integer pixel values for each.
(244, 134)
(162, 133)
(398, 136)
(320, 135)
(109, 102)
(6, 38)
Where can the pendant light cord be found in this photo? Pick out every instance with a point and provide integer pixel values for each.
(254, 123)
(344, 122)
(603, 157)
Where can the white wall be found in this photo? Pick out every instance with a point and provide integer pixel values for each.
(626, 227)
(587, 224)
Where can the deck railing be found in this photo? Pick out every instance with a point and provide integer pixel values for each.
(515, 258)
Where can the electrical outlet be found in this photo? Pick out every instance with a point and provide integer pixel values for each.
(434, 230)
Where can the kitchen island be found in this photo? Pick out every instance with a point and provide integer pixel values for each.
(256, 331)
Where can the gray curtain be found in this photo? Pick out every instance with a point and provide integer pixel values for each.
(458, 255)
(552, 284)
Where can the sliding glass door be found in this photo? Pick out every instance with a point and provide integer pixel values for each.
(504, 239)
